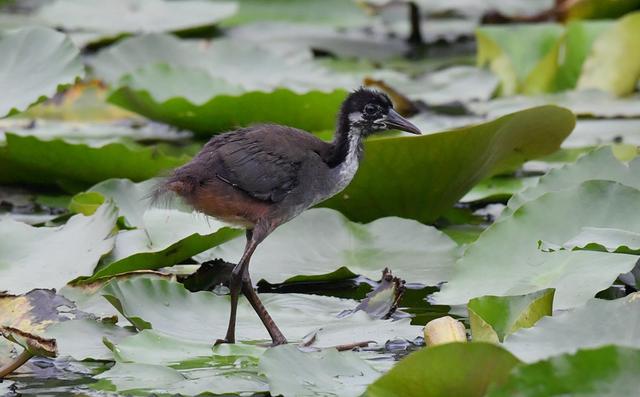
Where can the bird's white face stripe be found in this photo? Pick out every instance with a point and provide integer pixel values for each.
(355, 116)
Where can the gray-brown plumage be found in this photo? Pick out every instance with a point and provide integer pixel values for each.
(262, 176)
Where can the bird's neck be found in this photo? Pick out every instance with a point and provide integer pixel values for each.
(346, 145)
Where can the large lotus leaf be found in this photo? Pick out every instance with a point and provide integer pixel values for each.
(528, 69)
(325, 373)
(453, 369)
(168, 238)
(613, 64)
(599, 9)
(115, 17)
(151, 347)
(321, 241)
(597, 323)
(368, 44)
(588, 103)
(601, 239)
(599, 164)
(93, 133)
(28, 159)
(442, 167)
(170, 309)
(213, 88)
(35, 63)
(84, 339)
(314, 110)
(491, 267)
(153, 380)
(578, 41)
(492, 318)
(607, 371)
(49, 257)
(336, 13)
(159, 236)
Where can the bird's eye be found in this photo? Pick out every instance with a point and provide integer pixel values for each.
(370, 109)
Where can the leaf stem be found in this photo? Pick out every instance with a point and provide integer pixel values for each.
(15, 364)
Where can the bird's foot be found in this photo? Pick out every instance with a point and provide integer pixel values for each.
(224, 341)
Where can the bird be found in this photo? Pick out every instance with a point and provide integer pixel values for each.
(261, 176)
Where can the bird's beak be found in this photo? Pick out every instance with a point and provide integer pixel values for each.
(397, 122)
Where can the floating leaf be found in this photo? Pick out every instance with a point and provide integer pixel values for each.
(421, 177)
(169, 237)
(597, 323)
(492, 318)
(612, 65)
(168, 308)
(522, 268)
(453, 369)
(607, 371)
(148, 379)
(35, 63)
(204, 89)
(49, 257)
(600, 239)
(600, 164)
(117, 17)
(76, 166)
(321, 241)
(529, 69)
(325, 373)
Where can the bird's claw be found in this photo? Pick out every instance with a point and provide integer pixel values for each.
(223, 341)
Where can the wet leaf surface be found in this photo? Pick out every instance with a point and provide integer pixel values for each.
(454, 369)
(493, 318)
(42, 57)
(597, 323)
(49, 257)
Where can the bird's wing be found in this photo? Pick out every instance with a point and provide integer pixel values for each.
(264, 161)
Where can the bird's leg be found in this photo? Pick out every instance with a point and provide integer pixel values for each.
(269, 324)
(235, 285)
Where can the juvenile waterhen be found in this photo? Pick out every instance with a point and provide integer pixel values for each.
(262, 176)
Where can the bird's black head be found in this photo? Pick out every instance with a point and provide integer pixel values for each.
(369, 111)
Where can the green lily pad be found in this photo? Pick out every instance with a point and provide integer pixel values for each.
(83, 339)
(492, 318)
(607, 371)
(321, 241)
(168, 308)
(169, 237)
(491, 267)
(148, 379)
(49, 257)
(597, 323)
(600, 164)
(600, 239)
(497, 188)
(612, 65)
(590, 103)
(75, 166)
(117, 17)
(35, 63)
(212, 89)
(335, 13)
(325, 373)
(528, 69)
(453, 369)
(421, 177)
